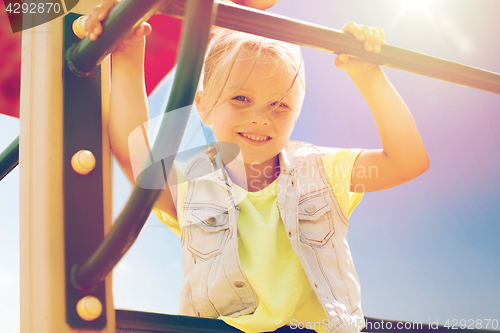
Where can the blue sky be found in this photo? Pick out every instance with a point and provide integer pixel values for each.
(425, 250)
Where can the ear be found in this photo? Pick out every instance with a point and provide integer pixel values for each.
(202, 110)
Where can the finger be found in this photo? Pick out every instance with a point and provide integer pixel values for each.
(341, 61)
(143, 30)
(98, 14)
(86, 23)
(355, 30)
(147, 28)
(382, 34)
(368, 38)
(104, 8)
(377, 41)
(91, 23)
(97, 28)
(91, 33)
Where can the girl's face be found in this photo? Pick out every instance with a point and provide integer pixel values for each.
(258, 116)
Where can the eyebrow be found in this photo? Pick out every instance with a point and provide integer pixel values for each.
(233, 88)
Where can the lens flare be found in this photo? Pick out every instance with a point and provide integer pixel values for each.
(422, 5)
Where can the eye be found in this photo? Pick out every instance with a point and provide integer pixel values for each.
(241, 98)
(282, 105)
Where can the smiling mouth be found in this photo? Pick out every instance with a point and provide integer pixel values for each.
(255, 137)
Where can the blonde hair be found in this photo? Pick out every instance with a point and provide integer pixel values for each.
(223, 51)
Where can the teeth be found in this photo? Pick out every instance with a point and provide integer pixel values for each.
(253, 137)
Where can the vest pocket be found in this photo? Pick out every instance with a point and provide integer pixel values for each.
(315, 220)
(206, 232)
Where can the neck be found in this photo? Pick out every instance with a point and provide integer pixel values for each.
(257, 176)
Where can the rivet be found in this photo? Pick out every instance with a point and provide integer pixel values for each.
(310, 209)
(89, 308)
(83, 162)
(239, 284)
(78, 27)
(289, 234)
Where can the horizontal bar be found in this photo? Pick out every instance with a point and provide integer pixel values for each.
(9, 158)
(137, 321)
(128, 225)
(274, 26)
(121, 21)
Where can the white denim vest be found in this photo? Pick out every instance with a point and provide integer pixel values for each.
(214, 283)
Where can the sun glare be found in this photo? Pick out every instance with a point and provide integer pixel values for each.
(416, 9)
(422, 5)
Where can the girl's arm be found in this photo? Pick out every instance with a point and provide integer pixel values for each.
(128, 98)
(403, 156)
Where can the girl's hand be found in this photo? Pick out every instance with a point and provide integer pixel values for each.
(373, 39)
(93, 27)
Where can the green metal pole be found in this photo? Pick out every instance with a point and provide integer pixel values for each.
(121, 21)
(322, 38)
(9, 158)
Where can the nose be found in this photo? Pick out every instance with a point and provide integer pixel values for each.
(260, 117)
(261, 121)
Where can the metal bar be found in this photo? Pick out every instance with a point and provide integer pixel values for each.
(83, 199)
(155, 322)
(121, 21)
(322, 38)
(9, 158)
(135, 321)
(133, 217)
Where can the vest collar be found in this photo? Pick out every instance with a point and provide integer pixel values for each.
(294, 153)
(209, 166)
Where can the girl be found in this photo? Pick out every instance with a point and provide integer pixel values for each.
(265, 240)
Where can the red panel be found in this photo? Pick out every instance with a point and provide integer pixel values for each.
(10, 67)
(161, 49)
(161, 52)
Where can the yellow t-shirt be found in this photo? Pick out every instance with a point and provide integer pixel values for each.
(266, 253)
